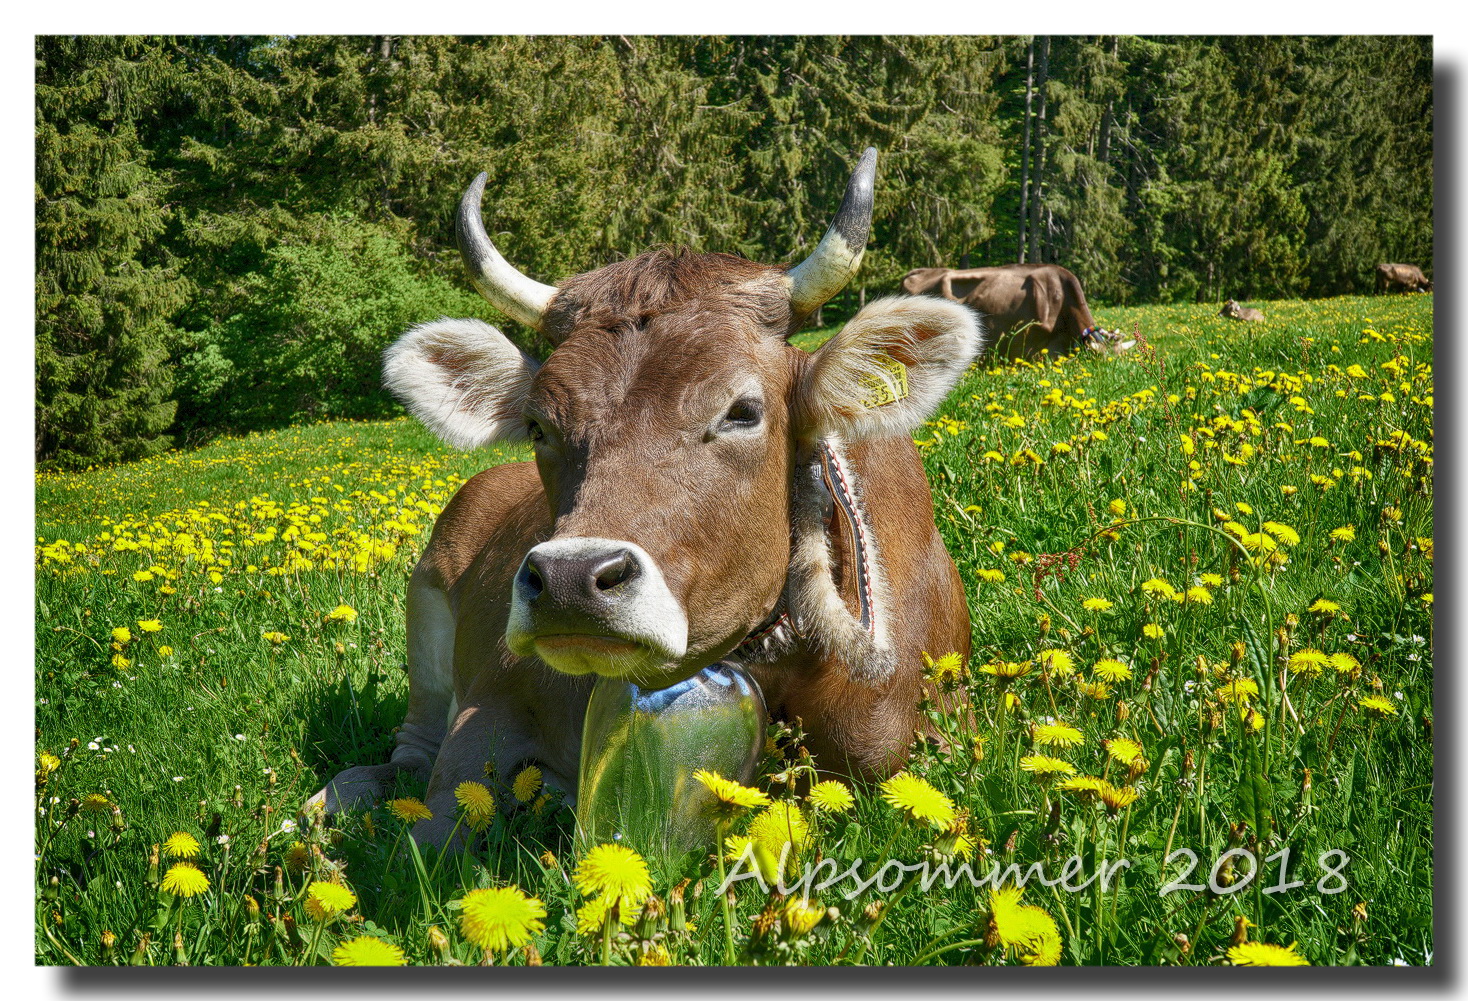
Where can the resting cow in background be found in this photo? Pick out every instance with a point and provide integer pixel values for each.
(1233, 311)
(1401, 278)
(1028, 308)
(701, 491)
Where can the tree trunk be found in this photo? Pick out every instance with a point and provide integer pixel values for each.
(1037, 188)
(1024, 170)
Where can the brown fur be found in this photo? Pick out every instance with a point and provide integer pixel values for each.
(649, 352)
(1401, 278)
(1233, 311)
(1029, 308)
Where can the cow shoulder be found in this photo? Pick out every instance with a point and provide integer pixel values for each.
(888, 369)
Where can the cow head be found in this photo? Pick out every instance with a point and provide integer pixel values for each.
(1231, 310)
(667, 424)
(1105, 342)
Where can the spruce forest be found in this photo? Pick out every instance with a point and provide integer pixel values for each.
(229, 230)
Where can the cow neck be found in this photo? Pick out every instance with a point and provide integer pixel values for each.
(825, 479)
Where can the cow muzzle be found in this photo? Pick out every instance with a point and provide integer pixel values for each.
(598, 606)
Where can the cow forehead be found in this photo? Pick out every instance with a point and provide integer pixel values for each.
(678, 363)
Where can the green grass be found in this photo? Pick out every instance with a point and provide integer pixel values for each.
(227, 734)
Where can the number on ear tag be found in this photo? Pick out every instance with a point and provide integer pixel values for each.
(885, 391)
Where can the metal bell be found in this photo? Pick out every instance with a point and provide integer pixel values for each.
(640, 748)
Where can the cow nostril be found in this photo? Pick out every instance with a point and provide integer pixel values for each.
(530, 580)
(615, 570)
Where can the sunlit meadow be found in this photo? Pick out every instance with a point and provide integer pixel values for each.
(1200, 577)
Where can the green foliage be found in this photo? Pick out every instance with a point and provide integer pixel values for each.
(187, 186)
(305, 338)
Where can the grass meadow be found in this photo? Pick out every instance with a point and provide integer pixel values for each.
(1200, 577)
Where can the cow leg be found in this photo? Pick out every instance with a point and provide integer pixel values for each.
(430, 703)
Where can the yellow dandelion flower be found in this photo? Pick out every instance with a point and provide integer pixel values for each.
(150, 625)
(800, 917)
(1056, 662)
(1346, 533)
(183, 879)
(1023, 930)
(46, 763)
(1235, 529)
(1117, 798)
(367, 950)
(990, 576)
(1044, 768)
(1282, 532)
(120, 662)
(500, 918)
(1157, 585)
(1308, 661)
(1095, 604)
(325, 901)
(655, 954)
(1008, 670)
(1152, 631)
(1117, 507)
(297, 857)
(1378, 707)
(779, 824)
(1123, 749)
(342, 613)
(1243, 508)
(165, 651)
(1111, 670)
(1343, 663)
(1199, 596)
(592, 915)
(122, 635)
(1058, 735)
(275, 638)
(1097, 690)
(1324, 606)
(617, 873)
(947, 669)
(527, 784)
(917, 798)
(95, 802)
(831, 796)
(1210, 580)
(409, 810)
(1088, 787)
(1238, 690)
(181, 844)
(730, 799)
(477, 803)
(1264, 954)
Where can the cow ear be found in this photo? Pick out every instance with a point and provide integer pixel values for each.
(889, 368)
(461, 378)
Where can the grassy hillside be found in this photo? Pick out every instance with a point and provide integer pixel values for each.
(1200, 578)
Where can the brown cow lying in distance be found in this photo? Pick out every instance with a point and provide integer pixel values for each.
(1233, 311)
(701, 491)
(1401, 278)
(1028, 308)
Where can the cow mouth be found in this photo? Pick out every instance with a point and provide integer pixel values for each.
(596, 644)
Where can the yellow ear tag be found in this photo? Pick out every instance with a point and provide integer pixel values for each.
(884, 391)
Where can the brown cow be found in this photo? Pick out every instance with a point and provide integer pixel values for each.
(701, 491)
(1029, 308)
(1233, 311)
(1401, 278)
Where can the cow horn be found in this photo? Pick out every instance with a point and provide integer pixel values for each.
(496, 279)
(831, 265)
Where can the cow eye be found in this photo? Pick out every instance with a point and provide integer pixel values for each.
(534, 431)
(743, 415)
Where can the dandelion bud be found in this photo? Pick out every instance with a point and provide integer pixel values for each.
(1358, 916)
(1122, 712)
(270, 777)
(238, 799)
(52, 890)
(650, 922)
(280, 894)
(697, 891)
(1305, 786)
(153, 866)
(109, 943)
(1233, 573)
(341, 648)
(1044, 624)
(118, 824)
(1236, 834)
(677, 913)
(73, 807)
(140, 954)
(292, 935)
(1202, 665)
(252, 908)
(438, 942)
(180, 958)
(532, 954)
(1236, 652)
(872, 912)
(1182, 943)
(1189, 763)
(765, 921)
(1241, 929)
